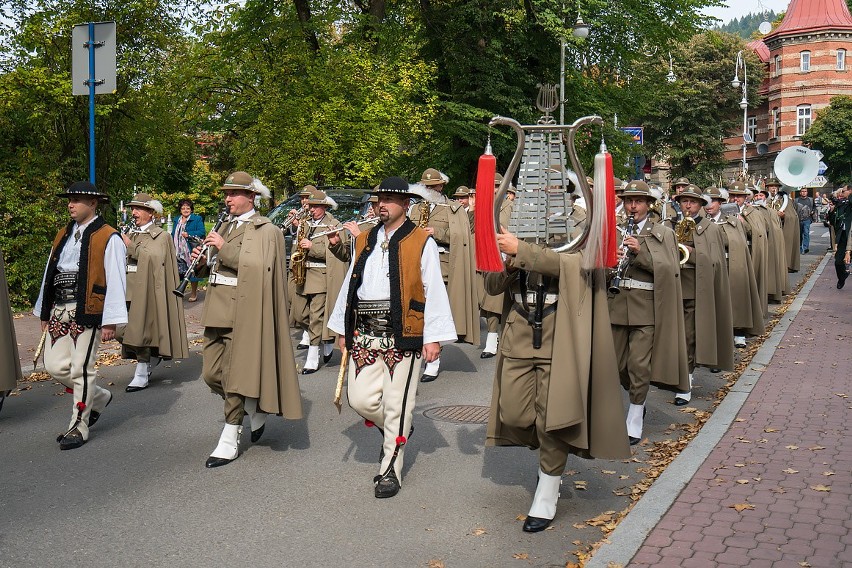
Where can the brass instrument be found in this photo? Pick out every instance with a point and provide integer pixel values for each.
(624, 262)
(190, 271)
(684, 232)
(425, 212)
(299, 259)
(294, 215)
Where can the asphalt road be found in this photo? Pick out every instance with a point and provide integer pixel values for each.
(138, 493)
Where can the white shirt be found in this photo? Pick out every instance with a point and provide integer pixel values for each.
(438, 325)
(115, 258)
(143, 228)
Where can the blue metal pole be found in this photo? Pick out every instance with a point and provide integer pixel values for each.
(92, 102)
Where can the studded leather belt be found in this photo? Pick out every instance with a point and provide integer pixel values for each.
(64, 287)
(374, 318)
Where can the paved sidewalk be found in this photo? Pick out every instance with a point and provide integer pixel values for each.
(775, 490)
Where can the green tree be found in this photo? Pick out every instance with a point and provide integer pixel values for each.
(831, 133)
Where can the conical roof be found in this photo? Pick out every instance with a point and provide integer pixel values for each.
(813, 15)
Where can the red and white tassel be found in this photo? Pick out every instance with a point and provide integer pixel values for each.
(488, 258)
(600, 250)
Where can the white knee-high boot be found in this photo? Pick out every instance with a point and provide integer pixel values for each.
(229, 446)
(140, 377)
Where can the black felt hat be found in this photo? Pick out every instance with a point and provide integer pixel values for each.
(397, 186)
(83, 189)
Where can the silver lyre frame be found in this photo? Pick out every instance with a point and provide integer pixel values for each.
(571, 130)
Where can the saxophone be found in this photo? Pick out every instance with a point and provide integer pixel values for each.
(425, 211)
(298, 260)
(684, 231)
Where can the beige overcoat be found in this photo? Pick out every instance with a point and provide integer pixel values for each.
(584, 401)
(714, 329)
(746, 305)
(262, 363)
(10, 363)
(792, 232)
(777, 255)
(326, 280)
(756, 234)
(155, 317)
(492, 302)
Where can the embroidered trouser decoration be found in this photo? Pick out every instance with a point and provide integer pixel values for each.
(382, 392)
(70, 359)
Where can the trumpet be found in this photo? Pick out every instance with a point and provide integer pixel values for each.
(625, 258)
(294, 215)
(372, 221)
(190, 271)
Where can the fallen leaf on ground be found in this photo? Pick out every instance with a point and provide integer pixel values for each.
(521, 518)
(579, 525)
(790, 470)
(814, 448)
(478, 532)
(436, 564)
(520, 556)
(580, 485)
(767, 430)
(740, 507)
(820, 488)
(608, 472)
(742, 481)
(791, 447)
(827, 473)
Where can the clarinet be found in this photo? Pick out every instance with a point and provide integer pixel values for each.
(625, 259)
(190, 271)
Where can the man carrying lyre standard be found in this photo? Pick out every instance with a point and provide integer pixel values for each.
(247, 354)
(156, 328)
(391, 311)
(646, 311)
(82, 291)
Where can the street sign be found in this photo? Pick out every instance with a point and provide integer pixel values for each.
(104, 46)
(822, 168)
(818, 181)
(637, 132)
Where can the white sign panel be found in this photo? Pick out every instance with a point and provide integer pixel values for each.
(104, 58)
(818, 181)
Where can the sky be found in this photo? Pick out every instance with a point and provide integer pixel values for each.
(739, 8)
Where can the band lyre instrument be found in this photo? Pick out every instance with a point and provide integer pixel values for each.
(372, 221)
(190, 271)
(531, 219)
(684, 232)
(624, 262)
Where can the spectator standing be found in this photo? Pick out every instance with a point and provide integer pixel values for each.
(188, 228)
(806, 208)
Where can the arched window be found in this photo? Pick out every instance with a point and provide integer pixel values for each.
(804, 119)
(841, 60)
(805, 61)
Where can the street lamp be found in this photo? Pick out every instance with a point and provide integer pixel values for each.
(580, 31)
(735, 83)
(671, 78)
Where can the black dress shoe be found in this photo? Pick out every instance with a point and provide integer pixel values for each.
(486, 355)
(94, 416)
(217, 462)
(308, 371)
(536, 524)
(840, 283)
(428, 378)
(135, 389)
(633, 441)
(715, 370)
(387, 486)
(680, 401)
(71, 440)
(327, 358)
(301, 347)
(256, 434)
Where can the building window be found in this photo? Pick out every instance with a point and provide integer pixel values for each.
(752, 128)
(841, 60)
(804, 122)
(805, 61)
(776, 123)
(777, 65)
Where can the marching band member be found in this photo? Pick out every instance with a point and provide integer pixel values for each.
(392, 310)
(82, 291)
(754, 226)
(448, 224)
(780, 202)
(779, 283)
(156, 328)
(299, 309)
(247, 355)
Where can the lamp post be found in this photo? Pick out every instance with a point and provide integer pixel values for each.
(580, 31)
(735, 83)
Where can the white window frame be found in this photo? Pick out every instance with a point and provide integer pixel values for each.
(841, 60)
(752, 128)
(804, 119)
(805, 61)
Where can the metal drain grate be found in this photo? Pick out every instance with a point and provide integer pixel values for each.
(465, 414)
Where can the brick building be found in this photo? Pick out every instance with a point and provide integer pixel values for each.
(806, 60)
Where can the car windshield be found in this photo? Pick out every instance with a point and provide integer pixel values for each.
(348, 205)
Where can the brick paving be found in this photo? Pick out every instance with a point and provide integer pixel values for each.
(786, 460)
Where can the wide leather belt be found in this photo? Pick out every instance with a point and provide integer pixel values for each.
(132, 268)
(311, 264)
(64, 287)
(220, 280)
(374, 318)
(548, 298)
(631, 284)
(65, 280)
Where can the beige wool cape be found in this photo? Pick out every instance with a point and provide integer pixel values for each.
(584, 401)
(669, 361)
(746, 305)
(155, 317)
(777, 255)
(461, 284)
(714, 329)
(756, 232)
(10, 363)
(263, 365)
(792, 235)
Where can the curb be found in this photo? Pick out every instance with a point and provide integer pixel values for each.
(626, 540)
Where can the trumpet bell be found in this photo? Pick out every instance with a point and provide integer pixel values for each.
(796, 166)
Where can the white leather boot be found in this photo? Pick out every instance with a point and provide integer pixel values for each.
(312, 361)
(306, 340)
(490, 345)
(229, 446)
(140, 378)
(635, 421)
(543, 507)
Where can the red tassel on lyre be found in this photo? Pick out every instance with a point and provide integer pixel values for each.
(610, 241)
(488, 258)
